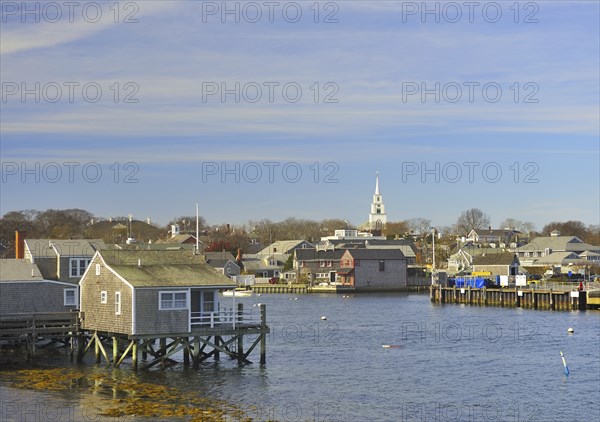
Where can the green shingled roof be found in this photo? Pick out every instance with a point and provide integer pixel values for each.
(164, 269)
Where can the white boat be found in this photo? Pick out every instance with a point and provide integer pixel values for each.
(238, 293)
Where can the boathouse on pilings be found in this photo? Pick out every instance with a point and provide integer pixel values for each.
(160, 303)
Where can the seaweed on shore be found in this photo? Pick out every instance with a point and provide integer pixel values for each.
(131, 396)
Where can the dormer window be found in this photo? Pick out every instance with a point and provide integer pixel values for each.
(77, 266)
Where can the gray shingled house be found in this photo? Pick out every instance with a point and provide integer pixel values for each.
(505, 263)
(60, 259)
(373, 269)
(23, 289)
(149, 292)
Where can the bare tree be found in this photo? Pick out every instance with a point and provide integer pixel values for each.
(472, 219)
(419, 226)
(514, 224)
(396, 228)
(569, 228)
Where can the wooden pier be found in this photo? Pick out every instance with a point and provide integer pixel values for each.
(330, 288)
(281, 288)
(511, 297)
(201, 343)
(39, 330)
(209, 337)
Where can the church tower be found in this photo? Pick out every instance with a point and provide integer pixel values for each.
(377, 217)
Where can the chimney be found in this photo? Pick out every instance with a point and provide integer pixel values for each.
(238, 259)
(20, 244)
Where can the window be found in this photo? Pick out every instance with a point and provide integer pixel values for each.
(329, 263)
(173, 300)
(273, 262)
(77, 266)
(302, 263)
(381, 265)
(97, 269)
(70, 297)
(103, 297)
(208, 301)
(118, 303)
(321, 263)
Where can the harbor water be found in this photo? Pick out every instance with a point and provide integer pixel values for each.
(326, 361)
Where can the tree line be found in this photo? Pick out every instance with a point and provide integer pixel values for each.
(77, 223)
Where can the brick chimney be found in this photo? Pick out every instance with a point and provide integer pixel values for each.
(20, 244)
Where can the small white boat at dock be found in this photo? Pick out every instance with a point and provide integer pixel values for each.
(240, 292)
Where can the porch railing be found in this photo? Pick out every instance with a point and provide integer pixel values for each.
(224, 316)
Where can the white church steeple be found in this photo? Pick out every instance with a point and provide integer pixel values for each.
(377, 216)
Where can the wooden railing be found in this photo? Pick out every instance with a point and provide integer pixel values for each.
(46, 325)
(223, 317)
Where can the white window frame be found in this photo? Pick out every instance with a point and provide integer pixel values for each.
(103, 297)
(97, 269)
(80, 271)
(117, 303)
(65, 302)
(174, 302)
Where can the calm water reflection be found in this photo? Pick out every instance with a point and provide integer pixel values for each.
(452, 363)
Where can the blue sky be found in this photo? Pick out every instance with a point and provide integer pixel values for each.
(536, 120)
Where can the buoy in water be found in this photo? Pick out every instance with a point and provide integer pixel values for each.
(570, 330)
(323, 318)
(390, 346)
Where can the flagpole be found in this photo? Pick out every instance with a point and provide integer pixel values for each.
(197, 229)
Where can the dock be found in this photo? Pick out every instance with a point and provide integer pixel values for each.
(28, 329)
(327, 288)
(518, 297)
(209, 337)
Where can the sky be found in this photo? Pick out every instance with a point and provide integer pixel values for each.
(288, 109)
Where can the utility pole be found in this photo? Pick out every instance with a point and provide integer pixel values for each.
(433, 258)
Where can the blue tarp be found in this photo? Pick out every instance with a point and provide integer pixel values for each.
(477, 282)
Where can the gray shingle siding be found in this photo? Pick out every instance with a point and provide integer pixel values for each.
(151, 320)
(47, 267)
(101, 316)
(30, 297)
(368, 276)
